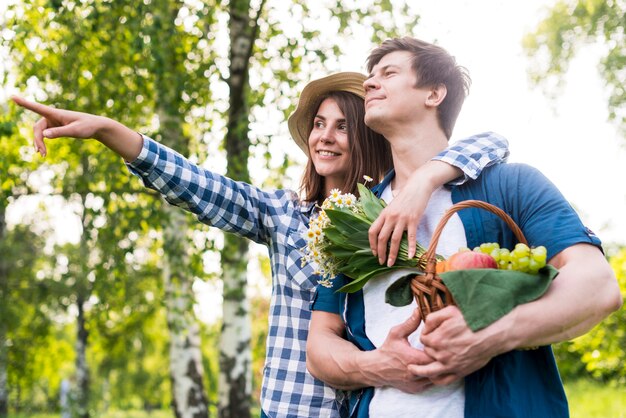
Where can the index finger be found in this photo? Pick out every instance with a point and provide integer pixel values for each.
(43, 110)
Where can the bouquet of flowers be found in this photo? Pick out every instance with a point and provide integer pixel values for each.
(485, 283)
(337, 240)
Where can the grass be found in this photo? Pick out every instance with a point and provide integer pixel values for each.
(589, 399)
(109, 414)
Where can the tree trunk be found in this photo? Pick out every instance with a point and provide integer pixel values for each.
(4, 280)
(188, 397)
(82, 295)
(235, 388)
(82, 368)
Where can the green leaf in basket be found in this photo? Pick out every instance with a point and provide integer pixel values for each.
(400, 293)
(486, 295)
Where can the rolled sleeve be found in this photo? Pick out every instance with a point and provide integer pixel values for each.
(329, 299)
(147, 159)
(475, 153)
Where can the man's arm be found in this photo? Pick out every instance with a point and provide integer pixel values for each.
(584, 292)
(460, 162)
(342, 365)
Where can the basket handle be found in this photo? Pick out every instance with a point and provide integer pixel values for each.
(429, 255)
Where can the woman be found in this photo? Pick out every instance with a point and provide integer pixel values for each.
(328, 126)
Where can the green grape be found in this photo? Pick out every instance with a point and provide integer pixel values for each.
(495, 254)
(522, 263)
(540, 258)
(534, 266)
(516, 254)
(539, 250)
(489, 247)
(521, 258)
(539, 254)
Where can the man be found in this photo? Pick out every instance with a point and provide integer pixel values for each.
(414, 94)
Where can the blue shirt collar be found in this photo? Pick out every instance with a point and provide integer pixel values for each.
(380, 187)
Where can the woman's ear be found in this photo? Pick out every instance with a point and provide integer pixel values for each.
(436, 95)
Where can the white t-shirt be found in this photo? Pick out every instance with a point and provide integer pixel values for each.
(439, 401)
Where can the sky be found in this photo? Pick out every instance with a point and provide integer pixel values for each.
(568, 139)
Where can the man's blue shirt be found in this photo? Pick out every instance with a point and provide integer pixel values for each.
(514, 384)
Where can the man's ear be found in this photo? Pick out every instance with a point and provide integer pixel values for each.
(436, 95)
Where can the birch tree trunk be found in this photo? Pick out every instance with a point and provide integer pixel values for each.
(188, 394)
(235, 384)
(235, 388)
(186, 371)
(82, 295)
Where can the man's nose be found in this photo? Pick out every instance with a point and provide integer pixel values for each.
(370, 83)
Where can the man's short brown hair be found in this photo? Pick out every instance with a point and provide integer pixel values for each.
(433, 66)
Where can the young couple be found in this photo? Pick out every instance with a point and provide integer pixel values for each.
(413, 96)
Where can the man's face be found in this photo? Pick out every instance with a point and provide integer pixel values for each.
(391, 96)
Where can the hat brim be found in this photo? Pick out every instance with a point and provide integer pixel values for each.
(300, 120)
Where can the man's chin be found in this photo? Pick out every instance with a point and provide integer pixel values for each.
(373, 121)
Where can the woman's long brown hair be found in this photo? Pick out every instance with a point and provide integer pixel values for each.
(370, 154)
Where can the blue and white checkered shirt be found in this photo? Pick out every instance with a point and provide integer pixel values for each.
(278, 220)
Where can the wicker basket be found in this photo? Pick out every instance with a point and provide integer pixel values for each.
(429, 291)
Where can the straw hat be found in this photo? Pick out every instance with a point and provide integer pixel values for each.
(299, 122)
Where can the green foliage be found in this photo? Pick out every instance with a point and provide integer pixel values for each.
(599, 353)
(589, 399)
(569, 25)
(26, 330)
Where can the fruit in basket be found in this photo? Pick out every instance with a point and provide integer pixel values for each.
(466, 259)
(521, 258)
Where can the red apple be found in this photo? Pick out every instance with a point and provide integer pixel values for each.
(464, 260)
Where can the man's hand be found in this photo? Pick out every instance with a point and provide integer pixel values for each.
(388, 365)
(342, 365)
(456, 349)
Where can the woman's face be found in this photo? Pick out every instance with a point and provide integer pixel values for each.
(328, 144)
